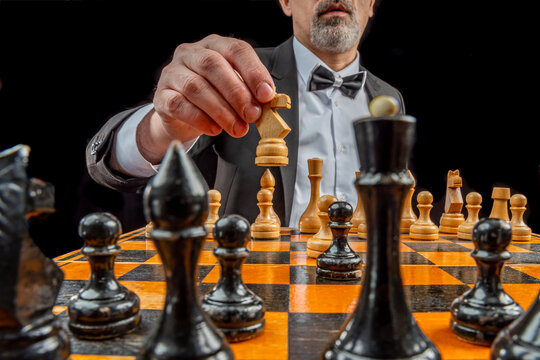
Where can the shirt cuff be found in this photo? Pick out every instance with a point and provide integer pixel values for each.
(126, 156)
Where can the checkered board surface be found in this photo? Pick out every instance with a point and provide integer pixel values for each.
(304, 312)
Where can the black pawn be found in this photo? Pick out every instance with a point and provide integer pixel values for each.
(235, 309)
(480, 313)
(104, 308)
(520, 339)
(339, 261)
(176, 201)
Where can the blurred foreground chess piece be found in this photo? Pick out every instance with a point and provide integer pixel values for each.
(30, 281)
(520, 339)
(176, 201)
(408, 217)
(265, 227)
(268, 182)
(452, 216)
(309, 221)
(272, 150)
(384, 105)
(500, 196)
(323, 238)
(233, 308)
(214, 198)
(359, 216)
(520, 230)
(424, 228)
(473, 206)
(339, 261)
(481, 312)
(382, 326)
(104, 308)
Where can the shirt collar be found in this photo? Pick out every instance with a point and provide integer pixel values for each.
(306, 61)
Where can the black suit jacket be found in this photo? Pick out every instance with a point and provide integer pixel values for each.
(226, 162)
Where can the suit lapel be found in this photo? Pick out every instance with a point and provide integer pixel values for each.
(283, 70)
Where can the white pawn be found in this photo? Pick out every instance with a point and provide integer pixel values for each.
(424, 228)
(473, 206)
(520, 230)
(214, 198)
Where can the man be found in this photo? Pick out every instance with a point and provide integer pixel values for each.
(210, 95)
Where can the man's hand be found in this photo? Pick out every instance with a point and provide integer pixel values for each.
(212, 85)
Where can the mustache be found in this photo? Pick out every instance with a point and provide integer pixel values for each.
(325, 5)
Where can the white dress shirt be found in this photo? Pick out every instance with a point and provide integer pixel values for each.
(325, 131)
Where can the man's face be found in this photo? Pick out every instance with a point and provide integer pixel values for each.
(329, 25)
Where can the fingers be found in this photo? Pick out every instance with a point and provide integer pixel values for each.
(214, 84)
(242, 57)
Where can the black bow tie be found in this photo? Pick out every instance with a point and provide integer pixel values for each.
(322, 78)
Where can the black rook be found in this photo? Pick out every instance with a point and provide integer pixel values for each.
(382, 326)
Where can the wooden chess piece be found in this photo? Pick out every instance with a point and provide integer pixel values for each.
(339, 261)
(267, 182)
(452, 216)
(382, 326)
(272, 150)
(408, 217)
(323, 238)
(30, 281)
(265, 227)
(424, 228)
(214, 198)
(103, 308)
(473, 206)
(520, 230)
(176, 200)
(481, 312)
(309, 221)
(233, 308)
(358, 214)
(500, 196)
(520, 339)
(147, 229)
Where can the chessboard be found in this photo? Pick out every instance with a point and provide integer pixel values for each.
(303, 311)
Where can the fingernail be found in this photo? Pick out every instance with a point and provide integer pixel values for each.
(252, 112)
(239, 128)
(265, 92)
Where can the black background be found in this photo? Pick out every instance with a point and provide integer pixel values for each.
(467, 70)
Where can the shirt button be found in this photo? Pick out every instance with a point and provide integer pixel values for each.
(343, 198)
(336, 103)
(341, 148)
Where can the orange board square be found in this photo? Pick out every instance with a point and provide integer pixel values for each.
(449, 258)
(151, 293)
(271, 344)
(256, 274)
(436, 326)
(523, 294)
(426, 275)
(254, 245)
(81, 270)
(301, 258)
(323, 298)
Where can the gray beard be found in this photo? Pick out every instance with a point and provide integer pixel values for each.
(334, 35)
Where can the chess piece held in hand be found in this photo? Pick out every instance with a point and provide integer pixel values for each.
(272, 150)
(233, 308)
(104, 308)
